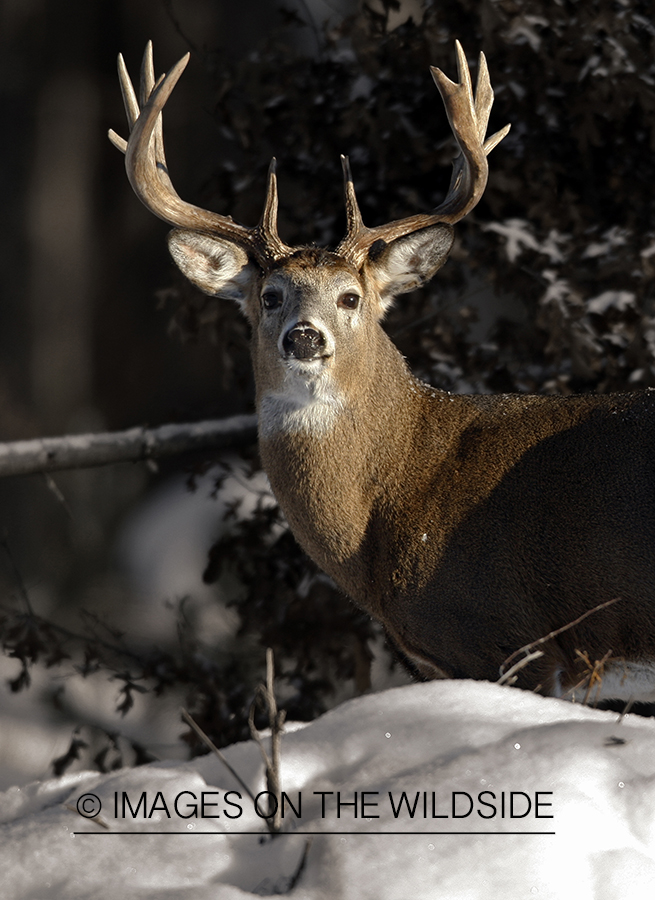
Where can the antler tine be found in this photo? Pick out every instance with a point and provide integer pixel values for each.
(468, 116)
(463, 74)
(147, 81)
(267, 228)
(353, 215)
(495, 139)
(147, 172)
(484, 97)
(130, 101)
(147, 84)
(356, 242)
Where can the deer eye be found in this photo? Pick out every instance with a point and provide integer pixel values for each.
(348, 301)
(271, 299)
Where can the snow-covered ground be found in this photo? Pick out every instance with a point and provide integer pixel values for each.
(580, 785)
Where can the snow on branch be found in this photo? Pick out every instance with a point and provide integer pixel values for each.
(82, 451)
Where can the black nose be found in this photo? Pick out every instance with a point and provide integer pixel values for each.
(303, 341)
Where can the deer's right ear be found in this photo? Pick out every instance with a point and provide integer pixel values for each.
(218, 267)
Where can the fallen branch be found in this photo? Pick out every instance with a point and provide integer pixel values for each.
(83, 451)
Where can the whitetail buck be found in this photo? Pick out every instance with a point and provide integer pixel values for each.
(468, 525)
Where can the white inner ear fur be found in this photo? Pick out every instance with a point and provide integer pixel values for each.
(218, 267)
(411, 261)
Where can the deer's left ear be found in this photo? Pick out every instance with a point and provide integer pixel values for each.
(408, 262)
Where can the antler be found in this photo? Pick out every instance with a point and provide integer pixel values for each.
(147, 171)
(468, 117)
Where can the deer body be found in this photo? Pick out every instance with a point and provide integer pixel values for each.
(495, 542)
(470, 526)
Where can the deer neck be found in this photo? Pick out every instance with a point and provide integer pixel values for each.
(331, 461)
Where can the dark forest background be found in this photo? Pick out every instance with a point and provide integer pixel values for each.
(549, 287)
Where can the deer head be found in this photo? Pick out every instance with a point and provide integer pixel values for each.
(313, 312)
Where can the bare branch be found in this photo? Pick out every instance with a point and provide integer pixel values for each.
(548, 637)
(509, 677)
(83, 451)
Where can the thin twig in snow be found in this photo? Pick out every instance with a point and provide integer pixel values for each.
(276, 718)
(212, 746)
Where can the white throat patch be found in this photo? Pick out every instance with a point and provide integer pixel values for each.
(308, 401)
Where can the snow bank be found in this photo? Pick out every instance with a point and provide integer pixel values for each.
(506, 795)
